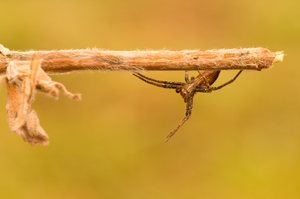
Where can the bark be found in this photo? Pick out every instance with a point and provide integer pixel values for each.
(57, 61)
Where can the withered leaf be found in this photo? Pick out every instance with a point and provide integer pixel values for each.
(23, 79)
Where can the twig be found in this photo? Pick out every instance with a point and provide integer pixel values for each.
(57, 61)
(26, 72)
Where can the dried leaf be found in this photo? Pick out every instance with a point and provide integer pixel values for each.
(23, 78)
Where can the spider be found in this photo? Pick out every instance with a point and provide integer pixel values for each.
(187, 89)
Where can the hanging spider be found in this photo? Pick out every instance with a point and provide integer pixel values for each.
(200, 83)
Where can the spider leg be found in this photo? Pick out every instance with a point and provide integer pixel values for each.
(186, 77)
(155, 80)
(229, 82)
(188, 113)
(159, 83)
(204, 79)
(203, 89)
(208, 88)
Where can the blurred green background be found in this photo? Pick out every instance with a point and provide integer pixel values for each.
(241, 142)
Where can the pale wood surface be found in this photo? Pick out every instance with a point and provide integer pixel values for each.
(57, 61)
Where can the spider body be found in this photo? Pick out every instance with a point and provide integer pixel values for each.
(201, 83)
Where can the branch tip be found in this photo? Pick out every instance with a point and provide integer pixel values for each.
(279, 57)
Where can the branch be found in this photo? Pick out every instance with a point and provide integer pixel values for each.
(57, 61)
(26, 72)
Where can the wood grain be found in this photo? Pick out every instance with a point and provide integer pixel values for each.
(57, 61)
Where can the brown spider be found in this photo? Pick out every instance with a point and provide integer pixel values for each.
(200, 83)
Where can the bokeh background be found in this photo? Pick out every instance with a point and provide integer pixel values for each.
(241, 142)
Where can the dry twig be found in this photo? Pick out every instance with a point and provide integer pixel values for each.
(26, 72)
(57, 61)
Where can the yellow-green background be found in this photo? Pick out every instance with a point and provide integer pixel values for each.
(241, 142)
